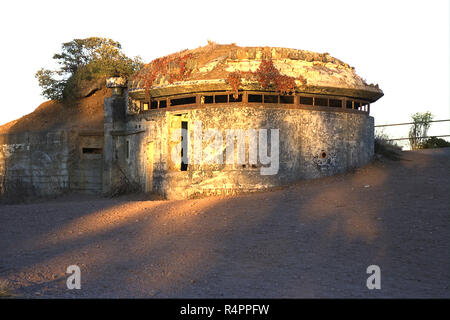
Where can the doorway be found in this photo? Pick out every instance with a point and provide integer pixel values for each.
(184, 146)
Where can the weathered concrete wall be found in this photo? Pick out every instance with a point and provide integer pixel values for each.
(129, 152)
(114, 121)
(86, 161)
(137, 150)
(312, 144)
(34, 163)
(50, 163)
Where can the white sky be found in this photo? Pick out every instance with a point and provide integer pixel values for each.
(401, 45)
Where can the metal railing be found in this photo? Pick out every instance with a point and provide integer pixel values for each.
(409, 123)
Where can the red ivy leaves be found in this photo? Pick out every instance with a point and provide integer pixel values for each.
(268, 76)
(183, 73)
(302, 79)
(160, 66)
(285, 84)
(234, 80)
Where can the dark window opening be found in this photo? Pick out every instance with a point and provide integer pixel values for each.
(306, 100)
(270, 98)
(357, 105)
(321, 102)
(184, 145)
(209, 99)
(233, 99)
(349, 104)
(287, 99)
(324, 154)
(154, 104)
(335, 103)
(162, 104)
(221, 98)
(182, 101)
(92, 150)
(254, 98)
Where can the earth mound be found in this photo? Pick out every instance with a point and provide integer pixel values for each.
(85, 112)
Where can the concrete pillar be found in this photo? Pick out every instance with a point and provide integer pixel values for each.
(114, 113)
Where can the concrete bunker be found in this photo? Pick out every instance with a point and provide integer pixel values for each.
(323, 119)
(210, 121)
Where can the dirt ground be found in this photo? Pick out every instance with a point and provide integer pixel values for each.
(312, 239)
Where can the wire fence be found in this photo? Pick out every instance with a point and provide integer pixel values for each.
(407, 123)
(411, 123)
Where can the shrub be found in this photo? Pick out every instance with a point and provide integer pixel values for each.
(123, 185)
(434, 142)
(15, 190)
(387, 148)
(419, 129)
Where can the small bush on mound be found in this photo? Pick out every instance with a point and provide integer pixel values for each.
(386, 148)
(434, 142)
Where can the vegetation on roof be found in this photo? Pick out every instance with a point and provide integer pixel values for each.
(84, 60)
(281, 69)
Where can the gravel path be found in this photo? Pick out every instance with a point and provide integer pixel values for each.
(312, 239)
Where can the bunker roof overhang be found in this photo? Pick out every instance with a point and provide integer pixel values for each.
(199, 86)
(207, 69)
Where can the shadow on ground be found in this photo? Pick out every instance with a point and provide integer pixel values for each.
(312, 239)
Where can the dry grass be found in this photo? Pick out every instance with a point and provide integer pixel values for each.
(85, 113)
(17, 191)
(387, 148)
(5, 290)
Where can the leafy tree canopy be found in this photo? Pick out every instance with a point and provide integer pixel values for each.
(85, 59)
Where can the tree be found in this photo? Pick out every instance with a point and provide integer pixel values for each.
(418, 131)
(51, 88)
(85, 59)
